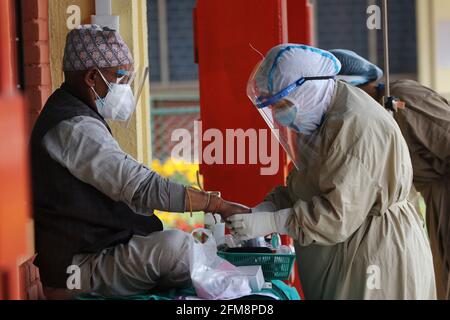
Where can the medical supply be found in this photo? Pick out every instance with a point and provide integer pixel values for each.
(213, 223)
(274, 266)
(257, 242)
(255, 277)
(276, 241)
(231, 242)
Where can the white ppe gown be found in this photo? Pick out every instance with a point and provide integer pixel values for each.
(357, 234)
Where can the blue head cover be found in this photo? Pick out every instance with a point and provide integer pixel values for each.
(355, 69)
(301, 75)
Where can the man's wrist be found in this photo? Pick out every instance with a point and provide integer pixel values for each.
(215, 203)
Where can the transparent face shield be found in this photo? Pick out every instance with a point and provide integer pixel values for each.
(280, 114)
(123, 95)
(140, 80)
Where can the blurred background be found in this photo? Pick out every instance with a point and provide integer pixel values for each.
(161, 34)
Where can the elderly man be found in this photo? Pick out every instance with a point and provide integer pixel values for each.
(93, 203)
(425, 124)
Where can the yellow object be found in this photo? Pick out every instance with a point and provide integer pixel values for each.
(185, 173)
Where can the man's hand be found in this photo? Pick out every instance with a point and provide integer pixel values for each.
(211, 202)
(227, 209)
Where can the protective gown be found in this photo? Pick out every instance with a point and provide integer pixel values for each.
(357, 235)
(425, 124)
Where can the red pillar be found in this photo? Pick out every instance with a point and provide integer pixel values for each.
(300, 21)
(300, 25)
(224, 31)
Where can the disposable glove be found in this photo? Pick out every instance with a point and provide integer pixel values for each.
(265, 206)
(260, 224)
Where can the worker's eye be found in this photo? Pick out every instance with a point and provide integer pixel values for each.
(281, 106)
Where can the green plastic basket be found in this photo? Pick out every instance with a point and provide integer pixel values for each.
(274, 266)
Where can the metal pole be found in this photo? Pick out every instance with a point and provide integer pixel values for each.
(372, 39)
(386, 47)
(163, 42)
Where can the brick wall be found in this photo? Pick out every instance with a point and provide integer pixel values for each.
(36, 62)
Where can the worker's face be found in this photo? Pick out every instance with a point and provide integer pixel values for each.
(284, 113)
(282, 104)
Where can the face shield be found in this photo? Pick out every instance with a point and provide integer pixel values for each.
(292, 88)
(281, 111)
(123, 95)
(140, 80)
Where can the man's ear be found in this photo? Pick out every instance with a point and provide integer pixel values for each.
(90, 77)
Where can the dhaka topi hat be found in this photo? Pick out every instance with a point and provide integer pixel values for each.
(92, 46)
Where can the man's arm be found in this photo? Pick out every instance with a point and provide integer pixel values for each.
(85, 147)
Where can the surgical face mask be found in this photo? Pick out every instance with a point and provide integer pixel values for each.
(118, 104)
(286, 115)
(309, 122)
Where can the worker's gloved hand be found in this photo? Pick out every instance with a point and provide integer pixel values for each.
(265, 206)
(260, 224)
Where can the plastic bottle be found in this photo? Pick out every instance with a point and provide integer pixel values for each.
(214, 224)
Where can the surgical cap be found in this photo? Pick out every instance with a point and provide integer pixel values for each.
(355, 69)
(92, 46)
(287, 63)
(283, 67)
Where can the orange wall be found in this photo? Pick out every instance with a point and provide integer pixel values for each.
(14, 185)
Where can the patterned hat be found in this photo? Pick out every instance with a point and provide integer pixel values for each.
(92, 46)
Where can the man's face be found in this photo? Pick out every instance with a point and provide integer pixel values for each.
(119, 75)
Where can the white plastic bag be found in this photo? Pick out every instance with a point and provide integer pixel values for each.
(213, 277)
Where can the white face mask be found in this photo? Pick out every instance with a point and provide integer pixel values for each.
(118, 104)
